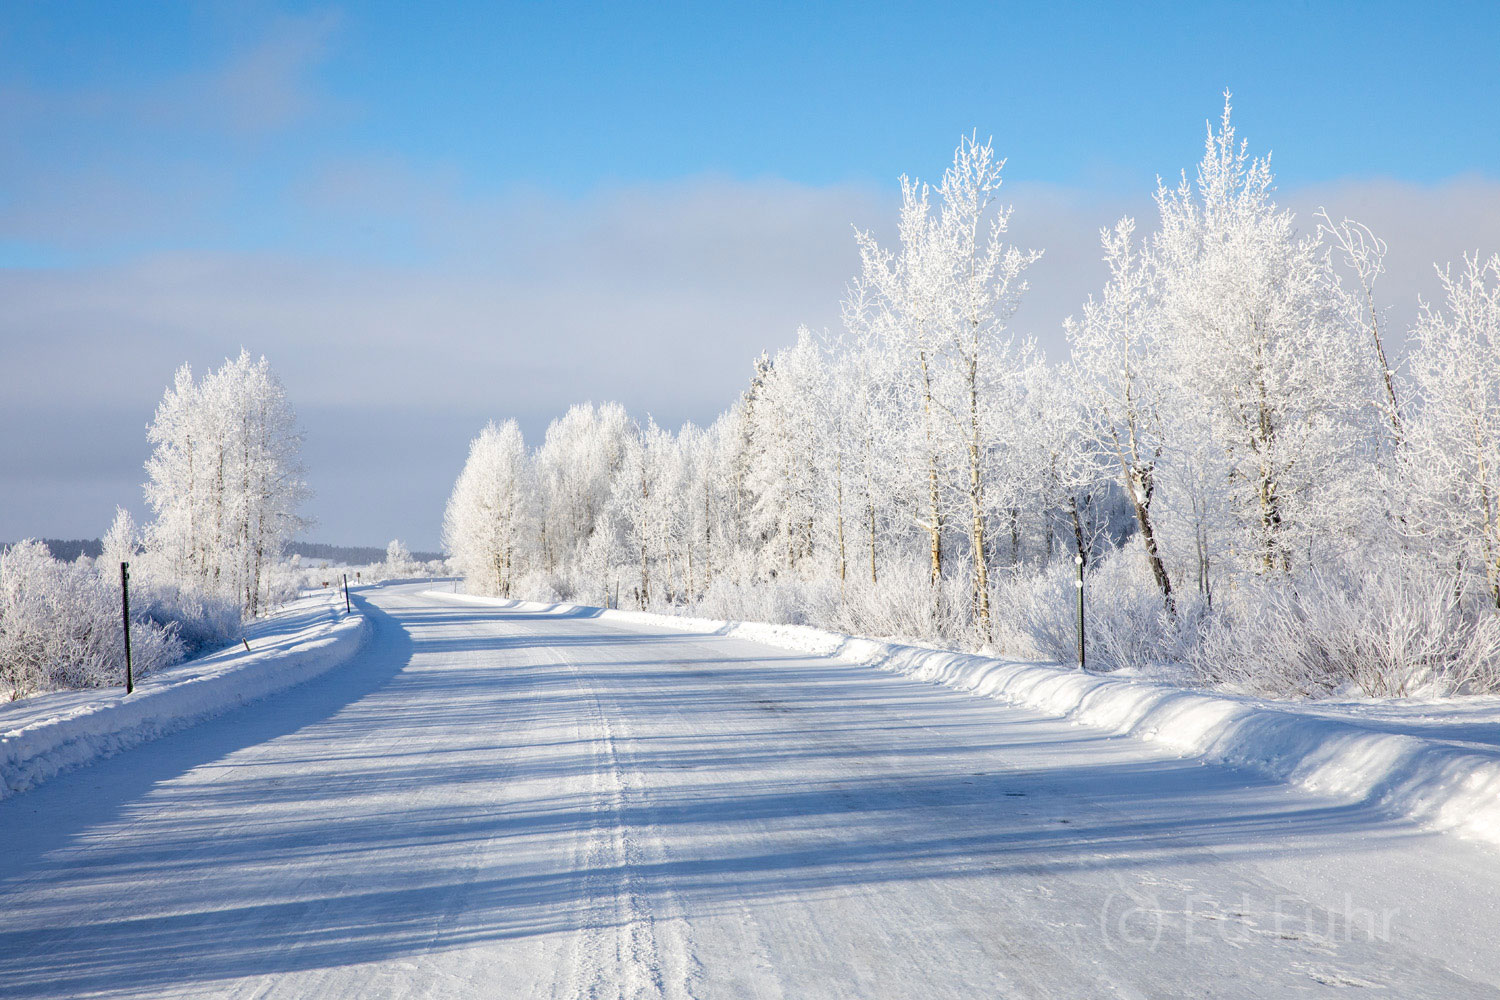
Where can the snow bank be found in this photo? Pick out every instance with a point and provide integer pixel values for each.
(51, 733)
(1442, 785)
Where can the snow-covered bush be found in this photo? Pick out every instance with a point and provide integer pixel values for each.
(200, 621)
(741, 599)
(60, 625)
(1037, 612)
(1125, 622)
(539, 585)
(1391, 630)
(903, 604)
(1127, 625)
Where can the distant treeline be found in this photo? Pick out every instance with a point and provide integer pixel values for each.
(69, 549)
(349, 554)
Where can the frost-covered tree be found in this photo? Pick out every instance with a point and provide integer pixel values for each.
(576, 466)
(398, 560)
(904, 288)
(869, 375)
(788, 434)
(1363, 254)
(982, 280)
(719, 493)
(943, 300)
(1451, 462)
(487, 526)
(1261, 352)
(1117, 357)
(225, 480)
(120, 542)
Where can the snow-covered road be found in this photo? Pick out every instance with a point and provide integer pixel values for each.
(498, 803)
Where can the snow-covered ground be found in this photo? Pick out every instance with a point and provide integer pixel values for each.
(496, 802)
(49, 733)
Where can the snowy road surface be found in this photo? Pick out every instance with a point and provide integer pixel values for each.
(494, 803)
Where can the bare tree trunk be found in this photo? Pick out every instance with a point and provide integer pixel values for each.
(1080, 548)
(1205, 583)
(839, 500)
(708, 541)
(645, 578)
(1261, 440)
(976, 502)
(218, 539)
(934, 523)
(645, 574)
(1140, 486)
(870, 498)
(1489, 522)
(1385, 369)
(1015, 536)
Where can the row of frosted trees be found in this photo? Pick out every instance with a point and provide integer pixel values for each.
(1266, 490)
(224, 484)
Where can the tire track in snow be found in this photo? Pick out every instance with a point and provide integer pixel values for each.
(620, 955)
(679, 970)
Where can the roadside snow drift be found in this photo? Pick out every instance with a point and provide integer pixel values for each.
(50, 733)
(1441, 785)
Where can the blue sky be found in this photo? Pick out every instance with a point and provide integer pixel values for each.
(431, 214)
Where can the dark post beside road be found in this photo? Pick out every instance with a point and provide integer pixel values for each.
(125, 615)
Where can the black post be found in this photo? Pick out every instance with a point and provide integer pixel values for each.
(346, 593)
(1082, 662)
(125, 615)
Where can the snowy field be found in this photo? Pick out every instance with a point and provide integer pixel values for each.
(496, 802)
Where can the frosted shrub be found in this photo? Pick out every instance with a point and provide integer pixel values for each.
(1125, 620)
(60, 626)
(903, 605)
(781, 602)
(911, 608)
(1038, 611)
(1128, 625)
(548, 588)
(201, 622)
(283, 584)
(1394, 631)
